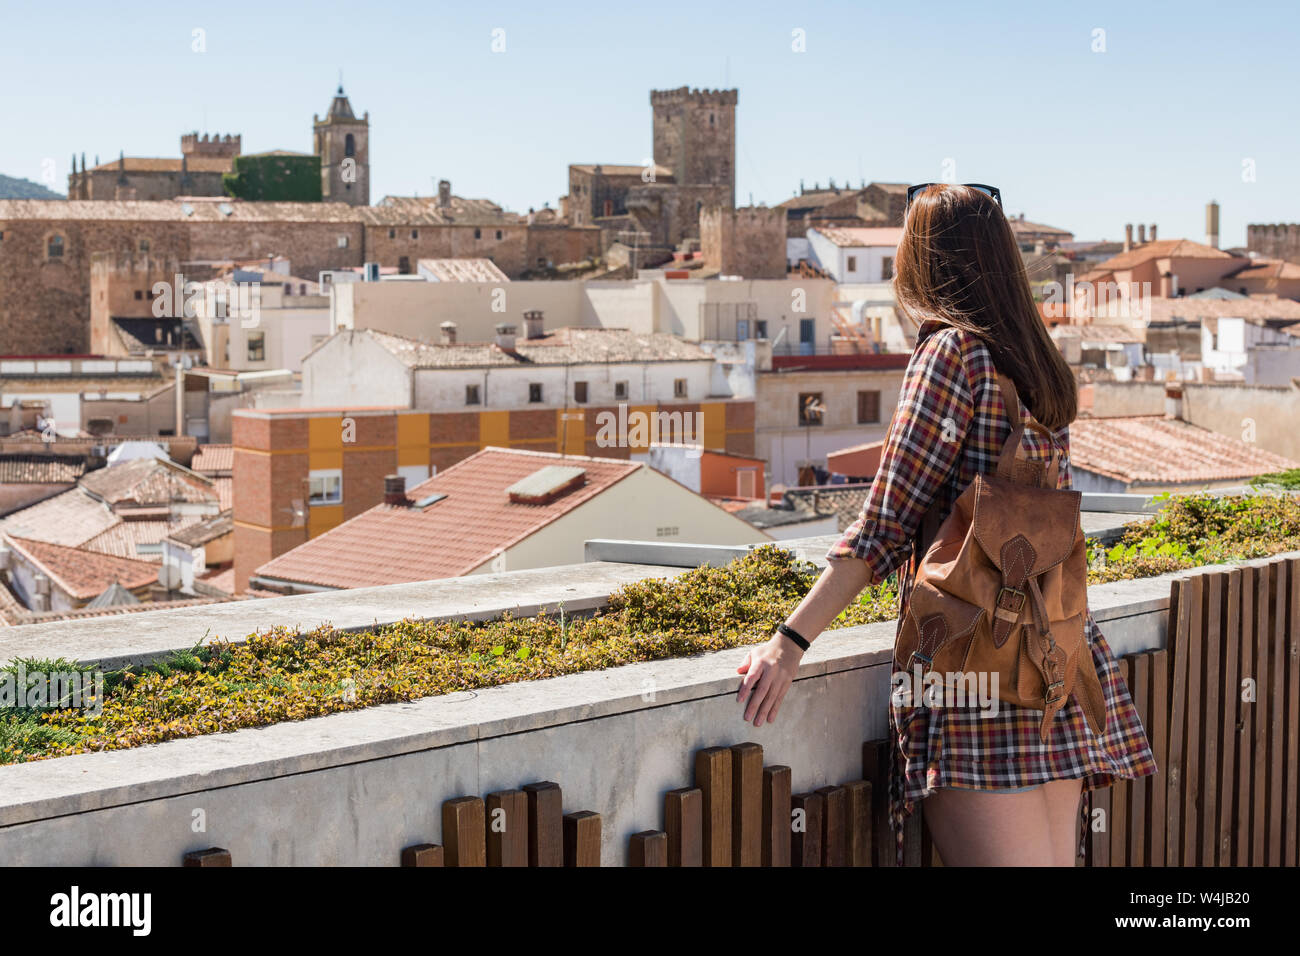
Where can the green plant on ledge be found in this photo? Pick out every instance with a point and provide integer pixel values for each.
(284, 675)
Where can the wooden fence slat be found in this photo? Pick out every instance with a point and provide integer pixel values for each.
(1158, 737)
(545, 823)
(422, 854)
(1259, 781)
(1138, 808)
(1099, 827)
(683, 819)
(776, 816)
(1291, 798)
(858, 822)
(876, 768)
(806, 843)
(213, 856)
(1183, 594)
(464, 839)
(582, 838)
(1119, 802)
(747, 805)
(1277, 669)
(1209, 715)
(1246, 671)
(1229, 717)
(713, 778)
(648, 848)
(507, 828)
(1192, 738)
(835, 847)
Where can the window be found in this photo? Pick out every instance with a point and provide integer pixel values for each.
(760, 328)
(478, 233)
(350, 146)
(343, 242)
(138, 295)
(742, 330)
(499, 233)
(620, 391)
(144, 245)
(886, 268)
(679, 388)
(392, 233)
(609, 207)
(868, 408)
(746, 483)
(811, 409)
(54, 248)
(471, 395)
(415, 233)
(853, 263)
(325, 487)
(302, 288)
(257, 346)
(580, 392)
(534, 392)
(404, 265)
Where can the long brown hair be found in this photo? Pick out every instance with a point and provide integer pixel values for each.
(958, 263)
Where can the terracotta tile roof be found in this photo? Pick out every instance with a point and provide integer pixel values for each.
(1101, 333)
(18, 495)
(860, 237)
(453, 536)
(41, 469)
(1198, 310)
(210, 460)
(559, 347)
(148, 481)
(43, 617)
(225, 489)
(843, 501)
(427, 211)
(69, 519)
(1163, 249)
(201, 532)
(84, 574)
(125, 538)
(1268, 269)
(662, 173)
(462, 270)
(201, 209)
(1151, 449)
(1019, 224)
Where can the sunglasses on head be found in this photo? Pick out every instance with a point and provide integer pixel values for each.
(991, 191)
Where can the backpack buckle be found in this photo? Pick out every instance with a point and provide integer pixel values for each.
(1006, 612)
(1050, 696)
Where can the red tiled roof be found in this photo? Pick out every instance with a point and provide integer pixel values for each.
(1151, 449)
(391, 544)
(1163, 249)
(213, 458)
(148, 481)
(85, 574)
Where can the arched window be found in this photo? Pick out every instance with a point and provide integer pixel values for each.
(349, 146)
(54, 248)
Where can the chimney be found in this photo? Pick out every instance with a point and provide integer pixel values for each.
(395, 491)
(533, 324)
(1212, 224)
(1142, 234)
(505, 337)
(1174, 400)
(448, 333)
(1128, 236)
(444, 193)
(1153, 232)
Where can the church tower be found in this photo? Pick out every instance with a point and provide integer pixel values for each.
(343, 144)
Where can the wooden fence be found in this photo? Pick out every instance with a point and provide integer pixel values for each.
(1220, 704)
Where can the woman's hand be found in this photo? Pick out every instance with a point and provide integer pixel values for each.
(769, 670)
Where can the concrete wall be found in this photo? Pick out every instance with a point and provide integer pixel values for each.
(1266, 415)
(354, 788)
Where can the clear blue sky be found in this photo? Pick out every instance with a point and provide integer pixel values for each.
(1147, 131)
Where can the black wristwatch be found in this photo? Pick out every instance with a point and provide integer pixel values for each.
(794, 635)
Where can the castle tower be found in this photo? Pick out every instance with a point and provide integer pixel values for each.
(343, 144)
(695, 137)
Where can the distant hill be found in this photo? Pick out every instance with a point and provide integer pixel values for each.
(11, 188)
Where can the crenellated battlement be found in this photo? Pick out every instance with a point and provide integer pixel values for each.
(684, 95)
(214, 144)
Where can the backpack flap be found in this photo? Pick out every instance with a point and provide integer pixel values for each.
(937, 631)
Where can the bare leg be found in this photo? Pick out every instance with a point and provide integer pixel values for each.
(986, 828)
(1062, 797)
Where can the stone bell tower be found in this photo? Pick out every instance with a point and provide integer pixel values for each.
(343, 144)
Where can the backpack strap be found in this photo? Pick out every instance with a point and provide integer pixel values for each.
(1010, 448)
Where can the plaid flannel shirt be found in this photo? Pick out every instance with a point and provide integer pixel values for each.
(949, 426)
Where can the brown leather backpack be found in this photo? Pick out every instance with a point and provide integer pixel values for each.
(1000, 588)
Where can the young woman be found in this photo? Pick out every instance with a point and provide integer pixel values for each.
(997, 795)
